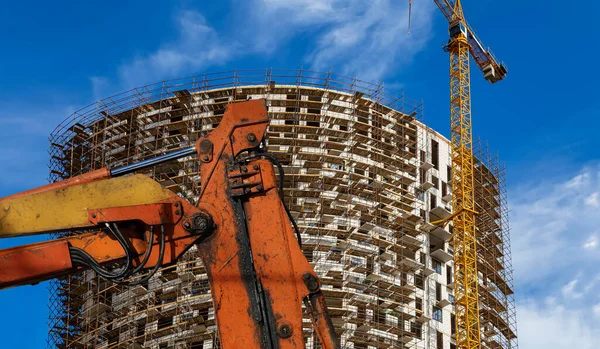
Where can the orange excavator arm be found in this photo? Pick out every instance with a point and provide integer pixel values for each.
(245, 234)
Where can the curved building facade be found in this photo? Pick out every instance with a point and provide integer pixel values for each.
(364, 176)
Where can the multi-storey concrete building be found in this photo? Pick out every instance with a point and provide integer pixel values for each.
(364, 179)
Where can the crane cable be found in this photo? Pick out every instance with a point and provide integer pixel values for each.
(409, 13)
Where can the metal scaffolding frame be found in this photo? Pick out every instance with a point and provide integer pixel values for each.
(350, 150)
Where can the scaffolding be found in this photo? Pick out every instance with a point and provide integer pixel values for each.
(496, 291)
(356, 183)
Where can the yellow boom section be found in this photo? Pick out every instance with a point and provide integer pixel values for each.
(463, 42)
(67, 208)
(466, 293)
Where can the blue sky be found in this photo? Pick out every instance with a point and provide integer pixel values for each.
(543, 119)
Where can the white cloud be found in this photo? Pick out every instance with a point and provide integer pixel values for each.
(553, 325)
(556, 281)
(198, 45)
(591, 242)
(591, 284)
(366, 39)
(596, 310)
(569, 291)
(550, 220)
(593, 200)
(363, 38)
(577, 181)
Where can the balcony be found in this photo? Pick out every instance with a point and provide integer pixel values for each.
(199, 328)
(443, 303)
(405, 339)
(364, 328)
(409, 263)
(426, 185)
(374, 277)
(427, 271)
(138, 290)
(409, 240)
(327, 218)
(441, 255)
(386, 256)
(441, 233)
(366, 227)
(447, 197)
(410, 216)
(427, 227)
(335, 152)
(342, 245)
(421, 317)
(438, 213)
(426, 165)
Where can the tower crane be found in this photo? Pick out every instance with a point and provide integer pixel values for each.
(464, 42)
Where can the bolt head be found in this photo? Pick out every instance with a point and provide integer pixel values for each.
(202, 223)
(284, 331)
(205, 145)
(186, 225)
(205, 158)
(311, 282)
(255, 167)
(244, 169)
(251, 137)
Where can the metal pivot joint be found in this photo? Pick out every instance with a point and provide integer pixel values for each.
(205, 150)
(201, 223)
(284, 331)
(311, 282)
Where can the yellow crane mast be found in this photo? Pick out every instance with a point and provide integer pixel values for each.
(463, 43)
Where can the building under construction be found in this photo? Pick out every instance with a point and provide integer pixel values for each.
(364, 178)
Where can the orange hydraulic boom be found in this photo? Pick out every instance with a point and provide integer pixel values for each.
(245, 234)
